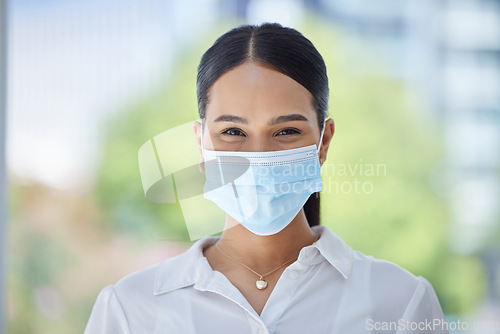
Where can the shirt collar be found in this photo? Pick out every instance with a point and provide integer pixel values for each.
(182, 270)
(334, 250)
(191, 267)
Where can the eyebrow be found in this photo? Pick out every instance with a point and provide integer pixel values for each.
(273, 121)
(288, 118)
(231, 118)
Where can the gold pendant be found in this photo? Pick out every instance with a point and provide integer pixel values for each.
(261, 284)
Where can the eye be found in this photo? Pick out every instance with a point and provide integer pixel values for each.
(288, 131)
(233, 132)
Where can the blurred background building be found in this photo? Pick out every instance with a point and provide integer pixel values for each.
(449, 51)
(77, 68)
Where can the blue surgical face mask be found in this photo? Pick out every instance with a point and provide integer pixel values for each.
(263, 191)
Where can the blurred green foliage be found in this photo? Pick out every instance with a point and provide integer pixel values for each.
(377, 121)
(119, 189)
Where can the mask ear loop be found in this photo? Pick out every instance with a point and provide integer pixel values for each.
(317, 151)
(321, 139)
(201, 140)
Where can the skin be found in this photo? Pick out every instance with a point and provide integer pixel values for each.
(256, 108)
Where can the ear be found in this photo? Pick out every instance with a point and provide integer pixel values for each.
(327, 138)
(197, 133)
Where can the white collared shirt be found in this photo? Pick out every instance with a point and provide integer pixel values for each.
(329, 289)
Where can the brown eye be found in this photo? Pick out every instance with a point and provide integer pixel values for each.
(233, 132)
(289, 131)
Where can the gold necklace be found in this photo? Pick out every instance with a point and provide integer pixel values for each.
(261, 283)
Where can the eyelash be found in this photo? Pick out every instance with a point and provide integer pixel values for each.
(225, 132)
(295, 131)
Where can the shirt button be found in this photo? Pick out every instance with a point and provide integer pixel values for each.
(262, 331)
(294, 274)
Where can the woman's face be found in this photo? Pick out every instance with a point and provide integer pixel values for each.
(256, 108)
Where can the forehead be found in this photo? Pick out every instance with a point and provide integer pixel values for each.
(257, 91)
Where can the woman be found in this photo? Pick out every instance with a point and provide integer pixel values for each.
(262, 97)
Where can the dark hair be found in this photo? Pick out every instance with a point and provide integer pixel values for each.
(284, 49)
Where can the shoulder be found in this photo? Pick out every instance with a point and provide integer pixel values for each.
(137, 283)
(383, 288)
(173, 273)
(129, 304)
(393, 289)
(114, 311)
(386, 275)
(132, 301)
(360, 268)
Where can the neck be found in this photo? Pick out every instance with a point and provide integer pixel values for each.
(265, 252)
